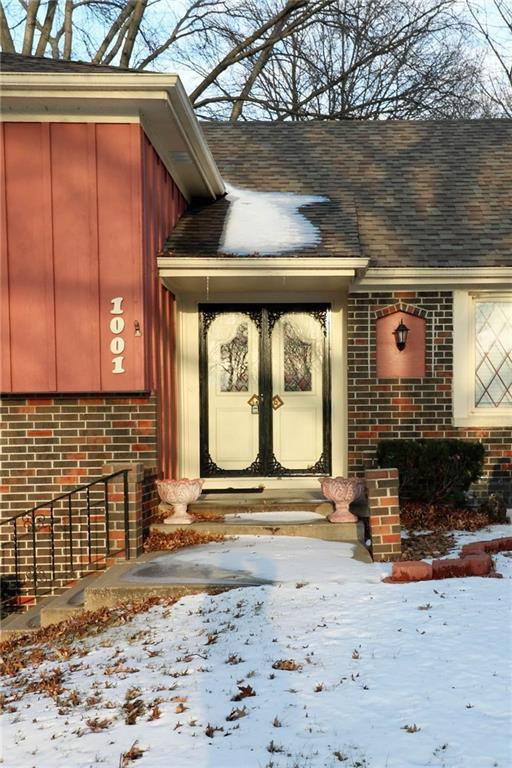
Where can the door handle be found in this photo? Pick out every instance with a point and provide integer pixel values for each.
(254, 402)
(277, 402)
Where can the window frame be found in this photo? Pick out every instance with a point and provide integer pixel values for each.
(465, 412)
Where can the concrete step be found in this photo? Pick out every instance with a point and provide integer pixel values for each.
(318, 529)
(286, 500)
(68, 604)
(22, 623)
(49, 610)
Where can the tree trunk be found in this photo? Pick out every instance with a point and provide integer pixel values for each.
(5, 34)
(133, 30)
(30, 27)
(68, 29)
(46, 28)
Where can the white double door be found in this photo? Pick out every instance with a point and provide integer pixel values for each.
(265, 400)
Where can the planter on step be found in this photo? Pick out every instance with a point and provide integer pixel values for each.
(179, 493)
(342, 491)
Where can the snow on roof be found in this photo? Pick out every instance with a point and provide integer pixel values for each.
(267, 223)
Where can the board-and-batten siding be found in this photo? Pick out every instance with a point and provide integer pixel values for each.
(81, 225)
(163, 205)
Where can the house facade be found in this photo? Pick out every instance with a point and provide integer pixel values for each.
(223, 300)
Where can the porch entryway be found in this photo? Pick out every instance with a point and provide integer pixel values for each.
(265, 390)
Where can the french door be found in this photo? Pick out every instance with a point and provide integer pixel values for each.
(264, 390)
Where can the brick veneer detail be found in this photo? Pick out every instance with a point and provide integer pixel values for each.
(381, 409)
(384, 513)
(51, 445)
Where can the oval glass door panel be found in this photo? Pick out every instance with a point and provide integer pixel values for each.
(297, 390)
(233, 373)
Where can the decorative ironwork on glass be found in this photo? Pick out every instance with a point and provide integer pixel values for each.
(210, 469)
(234, 373)
(493, 353)
(322, 466)
(209, 315)
(320, 315)
(298, 375)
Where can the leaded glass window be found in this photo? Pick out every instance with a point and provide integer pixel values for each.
(493, 353)
(234, 374)
(297, 362)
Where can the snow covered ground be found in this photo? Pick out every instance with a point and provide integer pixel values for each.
(352, 673)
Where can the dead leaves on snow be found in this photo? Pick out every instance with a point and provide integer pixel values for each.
(237, 713)
(56, 641)
(288, 665)
(134, 753)
(244, 692)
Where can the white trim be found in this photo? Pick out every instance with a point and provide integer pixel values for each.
(448, 278)
(157, 101)
(188, 390)
(211, 277)
(465, 414)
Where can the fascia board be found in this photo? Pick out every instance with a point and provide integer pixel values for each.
(247, 263)
(449, 278)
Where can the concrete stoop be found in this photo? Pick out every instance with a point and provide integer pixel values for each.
(111, 587)
(268, 502)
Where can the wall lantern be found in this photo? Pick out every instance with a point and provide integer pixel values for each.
(400, 333)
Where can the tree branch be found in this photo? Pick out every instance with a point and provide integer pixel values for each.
(232, 56)
(114, 28)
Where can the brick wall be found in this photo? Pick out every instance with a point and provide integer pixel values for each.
(384, 513)
(412, 407)
(51, 445)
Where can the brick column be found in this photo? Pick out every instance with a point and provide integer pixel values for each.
(384, 512)
(116, 507)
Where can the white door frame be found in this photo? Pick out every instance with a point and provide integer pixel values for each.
(187, 320)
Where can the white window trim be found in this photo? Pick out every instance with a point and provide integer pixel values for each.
(465, 414)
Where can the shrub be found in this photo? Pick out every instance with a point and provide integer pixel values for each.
(433, 471)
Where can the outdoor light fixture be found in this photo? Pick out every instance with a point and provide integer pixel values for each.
(400, 333)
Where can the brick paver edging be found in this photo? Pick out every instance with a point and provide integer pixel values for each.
(475, 560)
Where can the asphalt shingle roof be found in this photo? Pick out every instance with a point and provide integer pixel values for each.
(401, 193)
(17, 62)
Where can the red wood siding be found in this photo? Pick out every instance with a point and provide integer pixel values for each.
(163, 204)
(72, 241)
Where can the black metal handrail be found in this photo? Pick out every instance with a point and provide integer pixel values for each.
(70, 512)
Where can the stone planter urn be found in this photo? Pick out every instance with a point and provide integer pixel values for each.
(179, 493)
(342, 491)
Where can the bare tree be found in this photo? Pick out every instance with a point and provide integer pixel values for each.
(493, 24)
(272, 59)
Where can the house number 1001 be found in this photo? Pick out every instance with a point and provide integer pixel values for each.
(117, 344)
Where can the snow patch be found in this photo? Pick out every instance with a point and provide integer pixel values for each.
(274, 517)
(277, 559)
(267, 223)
